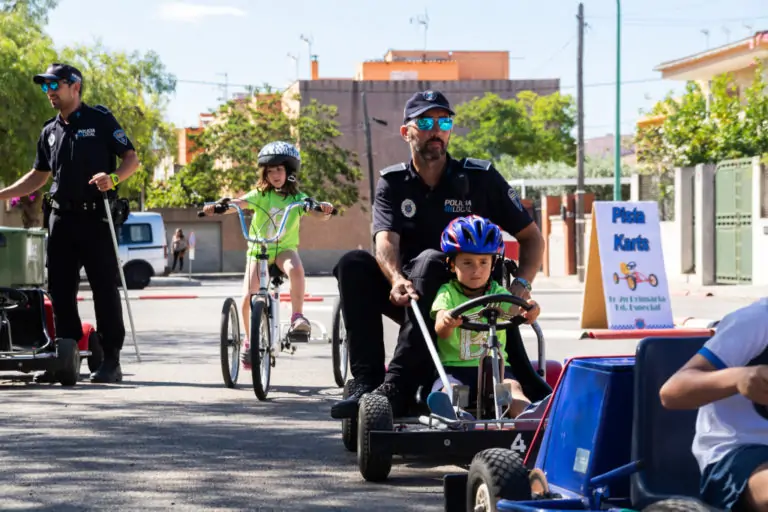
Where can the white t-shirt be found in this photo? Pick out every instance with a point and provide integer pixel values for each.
(725, 424)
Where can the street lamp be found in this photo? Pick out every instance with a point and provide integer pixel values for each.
(617, 140)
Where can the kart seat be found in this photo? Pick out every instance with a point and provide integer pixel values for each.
(28, 328)
(661, 438)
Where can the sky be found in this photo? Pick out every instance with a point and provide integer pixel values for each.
(206, 43)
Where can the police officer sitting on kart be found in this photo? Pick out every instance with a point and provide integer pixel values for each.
(414, 202)
(78, 147)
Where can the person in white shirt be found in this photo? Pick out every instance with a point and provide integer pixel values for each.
(727, 380)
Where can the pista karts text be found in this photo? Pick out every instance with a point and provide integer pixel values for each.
(609, 443)
(451, 428)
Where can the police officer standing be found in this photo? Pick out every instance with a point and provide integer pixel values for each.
(78, 147)
(414, 202)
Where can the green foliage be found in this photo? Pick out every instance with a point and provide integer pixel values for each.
(734, 126)
(228, 150)
(530, 128)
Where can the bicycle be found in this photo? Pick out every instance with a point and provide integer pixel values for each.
(265, 310)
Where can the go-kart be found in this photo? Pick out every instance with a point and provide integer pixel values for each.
(634, 277)
(28, 340)
(452, 427)
(609, 443)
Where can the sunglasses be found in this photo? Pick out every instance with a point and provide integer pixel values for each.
(428, 123)
(54, 86)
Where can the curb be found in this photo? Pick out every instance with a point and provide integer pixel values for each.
(700, 323)
(191, 296)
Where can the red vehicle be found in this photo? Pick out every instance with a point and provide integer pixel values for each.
(633, 277)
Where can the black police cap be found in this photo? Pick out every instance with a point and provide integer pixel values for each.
(57, 71)
(422, 102)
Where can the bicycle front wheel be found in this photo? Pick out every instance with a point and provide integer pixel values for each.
(230, 343)
(261, 356)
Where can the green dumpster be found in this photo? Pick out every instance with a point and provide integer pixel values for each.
(22, 257)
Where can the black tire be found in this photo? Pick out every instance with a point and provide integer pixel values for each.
(349, 425)
(137, 275)
(230, 338)
(68, 362)
(97, 351)
(496, 473)
(261, 358)
(375, 413)
(678, 505)
(339, 347)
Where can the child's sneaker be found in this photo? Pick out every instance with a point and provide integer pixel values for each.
(246, 354)
(299, 324)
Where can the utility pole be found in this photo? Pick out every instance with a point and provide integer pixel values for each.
(369, 150)
(580, 149)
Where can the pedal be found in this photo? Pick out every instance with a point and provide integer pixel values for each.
(503, 391)
(440, 403)
(299, 337)
(461, 395)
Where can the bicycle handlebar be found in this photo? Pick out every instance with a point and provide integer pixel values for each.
(307, 204)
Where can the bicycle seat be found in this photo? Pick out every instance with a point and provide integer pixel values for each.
(276, 275)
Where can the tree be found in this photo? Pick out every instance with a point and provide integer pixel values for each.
(25, 51)
(529, 129)
(37, 10)
(226, 162)
(136, 89)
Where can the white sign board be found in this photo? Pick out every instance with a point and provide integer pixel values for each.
(191, 240)
(634, 279)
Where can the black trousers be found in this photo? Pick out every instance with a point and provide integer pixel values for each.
(78, 239)
(364, 293)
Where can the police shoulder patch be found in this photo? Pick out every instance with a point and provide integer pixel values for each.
(477, 164)
(101, 108)
(393, 168)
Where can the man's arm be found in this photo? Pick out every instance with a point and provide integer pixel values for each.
(388, 255)
(715, 372)
(531, 252)
(25, 185)
(120, 145)
(128, 165)
(386, 229)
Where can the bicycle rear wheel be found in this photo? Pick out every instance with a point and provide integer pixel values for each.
(261, 356)
(339, 347)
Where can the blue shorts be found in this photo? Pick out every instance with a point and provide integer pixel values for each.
(723, 482)
(466, 375)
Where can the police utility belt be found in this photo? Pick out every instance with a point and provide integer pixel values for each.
(79, 206)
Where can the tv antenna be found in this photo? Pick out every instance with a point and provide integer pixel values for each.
(224, 87)
(309, 40)
(296, 62)
(422, 20)
(706, 35)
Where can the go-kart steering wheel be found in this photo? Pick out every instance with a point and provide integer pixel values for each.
(11, 298)
(492, 314)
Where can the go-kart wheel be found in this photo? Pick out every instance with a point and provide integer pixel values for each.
(339, 347)
(653, 280)
(230, 343)
(495, 474)
(615, 278)
(678, 505)
(374, 461)
(68, 362)
(97, 351)
(349, 425)
(632, 282)
(261, 356)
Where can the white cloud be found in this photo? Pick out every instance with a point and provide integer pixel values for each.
(180, 11)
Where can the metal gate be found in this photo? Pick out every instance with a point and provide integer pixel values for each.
(733, 221)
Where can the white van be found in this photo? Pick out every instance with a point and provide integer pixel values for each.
(143, 249)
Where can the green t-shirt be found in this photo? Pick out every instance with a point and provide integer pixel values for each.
(267, 215)
(464, 347)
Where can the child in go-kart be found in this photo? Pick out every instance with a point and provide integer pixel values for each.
(276, 188)
(473, 245)
(727, 380)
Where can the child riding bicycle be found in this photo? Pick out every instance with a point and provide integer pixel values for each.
(473, 244)
(276, 188)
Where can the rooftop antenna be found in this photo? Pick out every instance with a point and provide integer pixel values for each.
(224, 87)
(296, 62)
(727, 34)
(706, 34)
(750, 29)
(422, 20)
(309, 42)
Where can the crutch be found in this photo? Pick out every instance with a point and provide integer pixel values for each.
(122, 275)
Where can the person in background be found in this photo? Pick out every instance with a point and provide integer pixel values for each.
(179, 248)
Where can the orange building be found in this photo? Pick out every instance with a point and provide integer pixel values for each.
(436, 65)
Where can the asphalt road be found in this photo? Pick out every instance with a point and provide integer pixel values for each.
(172, 437)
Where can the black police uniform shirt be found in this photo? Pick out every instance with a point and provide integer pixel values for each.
(404, 204)
(75, 152)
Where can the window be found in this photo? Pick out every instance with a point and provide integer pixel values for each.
(135, 234)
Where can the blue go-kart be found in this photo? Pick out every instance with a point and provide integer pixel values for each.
(450, 428)
(609, 443)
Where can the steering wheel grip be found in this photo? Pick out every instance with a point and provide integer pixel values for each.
(487, 300)
(11, 298)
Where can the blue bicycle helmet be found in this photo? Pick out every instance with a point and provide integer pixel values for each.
(281, 153)
(472, 234)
